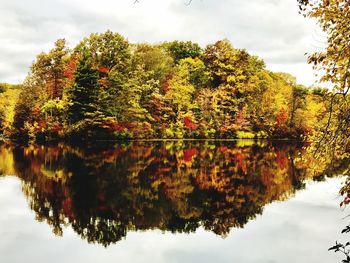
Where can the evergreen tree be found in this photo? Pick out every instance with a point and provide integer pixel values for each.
(84, 93)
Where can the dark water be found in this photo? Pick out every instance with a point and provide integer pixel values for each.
(177, 201)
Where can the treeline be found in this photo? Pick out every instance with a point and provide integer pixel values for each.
(108, 88)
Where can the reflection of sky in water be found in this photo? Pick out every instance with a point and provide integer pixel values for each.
(298, 230)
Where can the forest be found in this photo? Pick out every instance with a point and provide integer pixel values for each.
(109, 89)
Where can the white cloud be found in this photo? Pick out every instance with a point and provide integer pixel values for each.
(270, 29)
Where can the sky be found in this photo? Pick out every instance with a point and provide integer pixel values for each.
(284, 232)
(270, 29)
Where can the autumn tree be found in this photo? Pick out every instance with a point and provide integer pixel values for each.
(27, 108)
(228, 65)
(49, 69)
(334, 61)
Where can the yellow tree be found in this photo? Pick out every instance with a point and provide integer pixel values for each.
(333, 17)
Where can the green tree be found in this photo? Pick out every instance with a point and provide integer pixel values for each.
(183, 49)
(109, 51)
(84, 94)
(198, 74)
(103, 69)
(181, 91)
(154, 60)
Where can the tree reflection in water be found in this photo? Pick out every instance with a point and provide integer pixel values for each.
(177, 186)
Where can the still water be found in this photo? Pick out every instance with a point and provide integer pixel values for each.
(175, 201)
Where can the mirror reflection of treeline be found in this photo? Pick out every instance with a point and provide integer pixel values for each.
(171, 186)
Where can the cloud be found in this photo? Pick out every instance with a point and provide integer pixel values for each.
(270, 29)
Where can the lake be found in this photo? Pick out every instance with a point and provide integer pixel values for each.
(173, 201)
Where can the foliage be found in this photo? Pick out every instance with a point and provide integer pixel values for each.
(153, 60)
(8, 97)
(182, 49)
(83, 96)
(107, 88)
(334, 61)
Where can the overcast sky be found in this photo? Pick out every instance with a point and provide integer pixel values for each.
(271, 29)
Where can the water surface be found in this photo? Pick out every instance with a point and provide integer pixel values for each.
(177, 201)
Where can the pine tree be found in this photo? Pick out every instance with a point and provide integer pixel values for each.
(84, 93)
